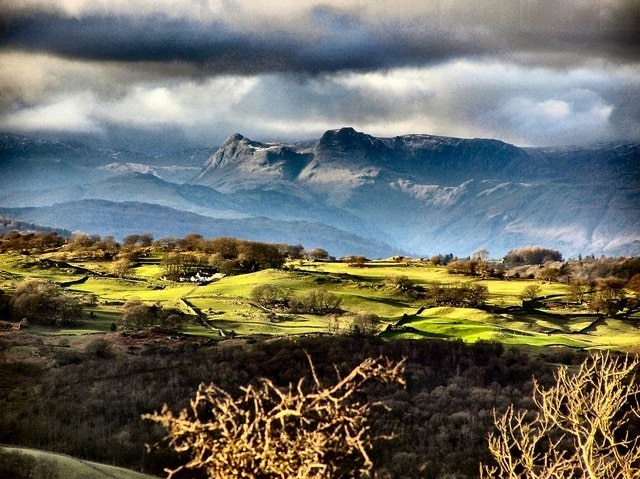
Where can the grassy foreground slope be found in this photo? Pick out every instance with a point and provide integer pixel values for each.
(24, 463)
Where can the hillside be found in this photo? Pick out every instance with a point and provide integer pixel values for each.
(15, 461)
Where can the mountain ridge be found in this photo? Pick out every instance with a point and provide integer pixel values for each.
(420, 186)
(418, 194)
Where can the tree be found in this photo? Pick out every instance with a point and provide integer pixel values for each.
(609, 296)
(318, 253)
(577, 289)
(531, 292)
(356, 261)
(43, 302)
(271, 432)
(138, 315)
(480, 254)
(581, 428)
(436, 260)
(316, 301)
(122, 266)
(634, 284)
(254, 256)
(267, 295)
(476, 294)
(365, 324)
(548, 274)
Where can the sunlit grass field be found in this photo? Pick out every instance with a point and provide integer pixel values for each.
(226, 305)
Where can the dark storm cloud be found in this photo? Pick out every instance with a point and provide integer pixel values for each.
(345, 43)
(530, 71)
(335, 41)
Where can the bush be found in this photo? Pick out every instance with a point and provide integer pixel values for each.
(43, 302)
(99, 348)
(582, 426)
(269, 432)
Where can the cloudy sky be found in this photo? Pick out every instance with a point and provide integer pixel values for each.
(530, 72)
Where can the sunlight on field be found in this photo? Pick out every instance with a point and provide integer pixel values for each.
(227, 306)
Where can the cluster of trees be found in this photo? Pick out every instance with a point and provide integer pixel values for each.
(42, 302)
(602, 296)
(608, 295)
(457, 295)
(315, 301)
(227, 255)
(594, 268)
(532, 255)
(139, 315)
(182, 254)
(38, 242)
(474, 267)
(468, 294)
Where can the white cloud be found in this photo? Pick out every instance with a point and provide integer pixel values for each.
(184, 104)
(467, 98)
(555, 109)
(70, 113)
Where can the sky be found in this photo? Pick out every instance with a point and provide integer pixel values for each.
(529, 72)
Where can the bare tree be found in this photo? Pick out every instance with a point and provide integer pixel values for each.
(531, 292)
(581, 428)
(269, 432)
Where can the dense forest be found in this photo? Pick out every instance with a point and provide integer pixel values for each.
(88, 403)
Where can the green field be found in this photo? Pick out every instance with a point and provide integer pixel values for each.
(48, 465)
(226, 305)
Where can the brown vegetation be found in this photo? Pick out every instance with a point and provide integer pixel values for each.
(272, 432)
(583, 426)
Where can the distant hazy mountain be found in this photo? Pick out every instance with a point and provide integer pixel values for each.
(439, 194)
(418, 194)
(123, 218)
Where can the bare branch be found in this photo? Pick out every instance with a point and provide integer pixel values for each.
(270, 432)
(580, 428)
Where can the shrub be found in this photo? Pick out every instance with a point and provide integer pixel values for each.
(99, 348)
(270, 432)
(44, 302)
(582, 426)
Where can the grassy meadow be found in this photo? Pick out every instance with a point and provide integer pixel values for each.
(47, 465)
(226, 308)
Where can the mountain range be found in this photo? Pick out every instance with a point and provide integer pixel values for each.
(348, 192)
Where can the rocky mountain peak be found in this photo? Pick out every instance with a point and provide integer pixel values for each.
(235, 138)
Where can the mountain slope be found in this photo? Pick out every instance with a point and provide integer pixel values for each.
(421, 194)
(438, 194)
(123, 218)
